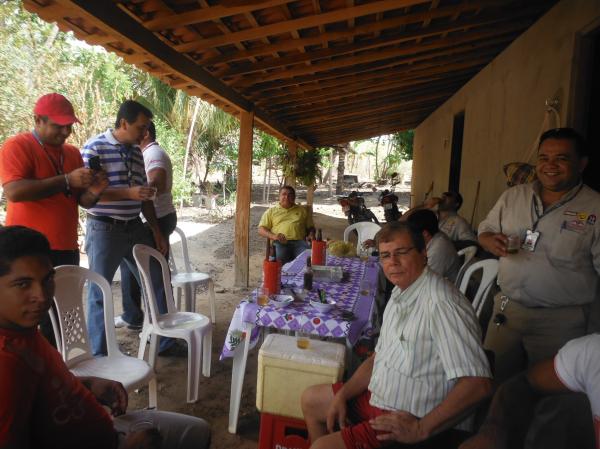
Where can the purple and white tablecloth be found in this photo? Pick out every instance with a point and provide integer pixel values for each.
(350, 318)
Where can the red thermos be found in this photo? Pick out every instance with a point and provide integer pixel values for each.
(319, 250)
(272, 273)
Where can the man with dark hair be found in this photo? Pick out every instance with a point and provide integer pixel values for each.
(43, 404)
(113, 224)
(44, 181)
(550, 280)
(289, 225)
(159, 172)
(428, 370)
(450, 223)
(441, 254)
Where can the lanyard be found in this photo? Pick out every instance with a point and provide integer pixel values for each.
(126, 159)
(555, 206)
(58, 167)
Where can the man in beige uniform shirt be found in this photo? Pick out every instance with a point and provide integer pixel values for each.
(548, 284)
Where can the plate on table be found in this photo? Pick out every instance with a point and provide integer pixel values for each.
(322, 306)
(281, 300)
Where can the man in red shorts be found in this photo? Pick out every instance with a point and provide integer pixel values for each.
(428, 370)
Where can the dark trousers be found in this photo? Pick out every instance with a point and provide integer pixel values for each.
(57, 257)
(130, 289)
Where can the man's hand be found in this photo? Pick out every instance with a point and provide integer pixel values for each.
(281, 238)
(99, 183)
(162, 245)
(337, 413)
(494, 242)
(109, 393)
(81, 178)
(142, 439)
(369, 243)
(141, 193)
(399, 426)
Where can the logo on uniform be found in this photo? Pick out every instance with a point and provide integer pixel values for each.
(591, 219)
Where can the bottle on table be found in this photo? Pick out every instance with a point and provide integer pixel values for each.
(319, 250)
(308, 275)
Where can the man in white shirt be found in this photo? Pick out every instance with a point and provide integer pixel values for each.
(441, 254)
(428, 371)
(575, 368)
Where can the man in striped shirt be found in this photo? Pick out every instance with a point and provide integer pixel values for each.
(113, 224)
(428, 370)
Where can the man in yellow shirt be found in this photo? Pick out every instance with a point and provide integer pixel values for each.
(289, 225)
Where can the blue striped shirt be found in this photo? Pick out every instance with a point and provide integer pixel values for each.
(124, 165)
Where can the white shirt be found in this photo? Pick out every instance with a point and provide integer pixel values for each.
(156, 157)
(456, 228)
(442, 257)
(429, 338)
(577, 365)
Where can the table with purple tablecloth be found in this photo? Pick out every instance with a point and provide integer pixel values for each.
(349, 319)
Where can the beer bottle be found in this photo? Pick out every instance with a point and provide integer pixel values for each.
(308, 275)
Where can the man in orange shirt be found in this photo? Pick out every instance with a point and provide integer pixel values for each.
(44, 180)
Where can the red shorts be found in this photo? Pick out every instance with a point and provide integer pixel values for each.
(360, 435)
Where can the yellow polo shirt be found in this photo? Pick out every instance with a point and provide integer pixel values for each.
(292, 222)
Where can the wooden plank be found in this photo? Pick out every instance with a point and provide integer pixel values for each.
(241, 248)
(296, 24)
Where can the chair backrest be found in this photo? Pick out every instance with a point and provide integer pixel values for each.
(488, 276)
(184, 250)
(144, 255)
(468, 253)
(70, 281)
(366, 230)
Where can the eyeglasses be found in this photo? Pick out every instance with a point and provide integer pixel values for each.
(386, 257)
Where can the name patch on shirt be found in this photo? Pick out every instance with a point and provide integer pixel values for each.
(573, 225)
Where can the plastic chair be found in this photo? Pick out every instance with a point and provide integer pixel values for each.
(194, 328)
(488, 276)
(468, 253)
(189, 280)
(73, 338)
(366, 230)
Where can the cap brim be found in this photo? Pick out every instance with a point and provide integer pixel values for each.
(63, 120)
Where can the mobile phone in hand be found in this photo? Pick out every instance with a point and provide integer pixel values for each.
(94, 163)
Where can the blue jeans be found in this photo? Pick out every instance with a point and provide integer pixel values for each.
(290, 250)
(106, 245)
(130, 289)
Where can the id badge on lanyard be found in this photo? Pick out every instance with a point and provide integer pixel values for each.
(531, 239)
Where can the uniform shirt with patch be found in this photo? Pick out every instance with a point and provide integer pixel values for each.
(565, 266)
(577, 365)
(292, 222)
(442, 257)
(457, 228)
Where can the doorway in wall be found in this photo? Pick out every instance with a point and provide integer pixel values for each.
(458, 129)
(584, 112)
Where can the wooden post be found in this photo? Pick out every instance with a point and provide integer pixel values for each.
(241, 248)
(310, 196)
(292, 150)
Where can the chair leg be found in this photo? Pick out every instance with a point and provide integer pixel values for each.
(153, 351)
(152, 393)
(211, 300)
(206, 351)
(194, 355)
(189, 306)
(178, 298)
(143, 342)
(240, 357)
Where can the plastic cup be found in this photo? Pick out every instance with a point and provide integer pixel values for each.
(262, 296)
(302, 340)
(513, 244)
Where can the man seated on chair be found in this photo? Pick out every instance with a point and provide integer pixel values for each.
(450, 223)
(576, 368)
(428, 370)
(43, 404)
(289, 225)
(441, 254)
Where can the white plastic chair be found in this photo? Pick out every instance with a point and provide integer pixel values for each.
(468, 253)
(194, 328)
(189, 280)
(366, 230)
(488, 276)
(73, 340)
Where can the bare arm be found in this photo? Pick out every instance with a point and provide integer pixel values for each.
(404, 427)
(270, 235)
(37, 189)
(494, 242)
(150, 214)
(157, 177)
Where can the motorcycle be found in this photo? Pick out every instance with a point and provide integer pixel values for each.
(389, 201)
(354, 208)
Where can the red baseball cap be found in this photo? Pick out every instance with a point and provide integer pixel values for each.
(57, 108)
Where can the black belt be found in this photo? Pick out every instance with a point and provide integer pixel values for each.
(115, 221)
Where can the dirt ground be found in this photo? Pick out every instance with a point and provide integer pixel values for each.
(211, 250)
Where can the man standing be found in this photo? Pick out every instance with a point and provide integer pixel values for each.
(428, 371)
(288, 224)
(548, 284)
(159, 172)
(44, 181)
(113, 224)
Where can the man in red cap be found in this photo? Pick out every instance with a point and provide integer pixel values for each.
(44, 179)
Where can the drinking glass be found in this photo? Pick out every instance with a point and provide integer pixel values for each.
(262, 296)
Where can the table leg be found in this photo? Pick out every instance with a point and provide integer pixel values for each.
(240, 357)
